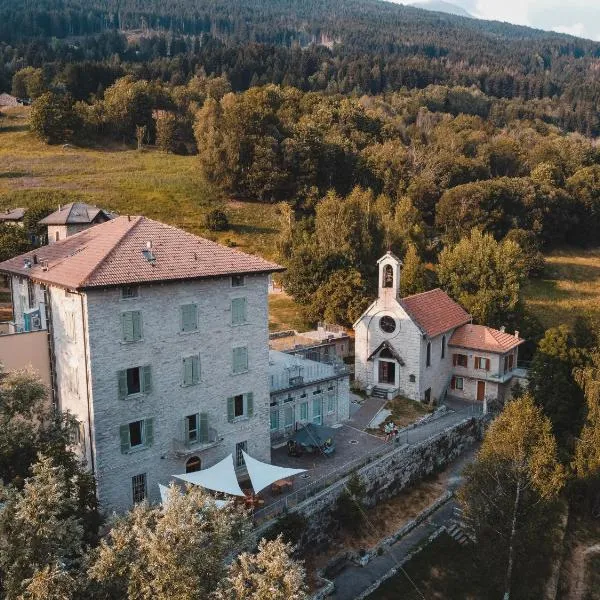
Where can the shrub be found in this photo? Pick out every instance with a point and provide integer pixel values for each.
(216, 220)
(291, 526)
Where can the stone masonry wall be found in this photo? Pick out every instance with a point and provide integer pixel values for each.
(389, 475)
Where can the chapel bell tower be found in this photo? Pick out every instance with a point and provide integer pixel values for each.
(389, 276)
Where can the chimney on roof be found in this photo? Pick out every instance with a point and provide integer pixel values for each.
(516, 333)
(129, 217)
(59, 208)
(35, 259)
(149, 245)
(502, 329)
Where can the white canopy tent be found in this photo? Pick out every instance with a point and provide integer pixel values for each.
(218, 478)
(263, 474)
(164, 497)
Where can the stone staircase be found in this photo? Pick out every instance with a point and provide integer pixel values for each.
(378, 392)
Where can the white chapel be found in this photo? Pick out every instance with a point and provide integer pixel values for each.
(425, 347)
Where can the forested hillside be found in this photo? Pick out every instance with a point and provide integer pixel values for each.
(346, 46)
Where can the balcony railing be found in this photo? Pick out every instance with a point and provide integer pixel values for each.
(306, 375)
(184, 446)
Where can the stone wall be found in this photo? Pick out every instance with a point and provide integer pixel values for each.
(387, 476)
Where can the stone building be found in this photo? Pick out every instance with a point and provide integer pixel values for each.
(306, 391)
(159, 346)
(13, 216)
(403, 346)
(73, 218)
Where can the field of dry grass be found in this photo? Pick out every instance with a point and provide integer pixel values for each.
(160, 186)
(569, 287)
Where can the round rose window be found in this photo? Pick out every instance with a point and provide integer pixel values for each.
(387, 324)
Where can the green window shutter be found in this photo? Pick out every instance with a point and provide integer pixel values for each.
(124, 432)
(189, 317)
(230, 410)
(204, 427)
(148, 432)
(137, 325)
(240, 360)
(187, 371)
(250, 403)
(122, 375)
(274, 420)
(127, 321)
(238, 311)
(146, 379)
(195, 369)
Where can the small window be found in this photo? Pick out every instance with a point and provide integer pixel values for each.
(139, 488)
(56, 236)
(428, 359)
(427, 396)
(136, 435)
(239, 457)
(189, 317)
(315, 392)
(238, 311)
(193, 464)
(132, 326)
(412, 378)
(238, 281)
(240, 406)
(443, 346)
(191, 370)
(31, 293)
(137, 380)
(274, 420)
(191, 428)
(459, 383)
(461, 360)
(129, 291)
(317, 411)
(240, 360)
(387, 324)
(289, 416)
(304, 411)
(482, 363)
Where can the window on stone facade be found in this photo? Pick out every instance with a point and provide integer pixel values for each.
(304, 411)
(427, 396)
(317, 411)
(137, 380)
(428, 358)
(456, 383)
(191, 428)
(388, 276)
(240, 359)
(31, 293)
(56, 236)
(240, 406)
(139, 488)
(508, 362)
(239, 457)
(131, 323)
(274, 420)
(238, 311)
(289, 416)
(129, 291)
(460, 360)
(193, 464)
(136, 435)
(443, 346)
(412, 378)
(482, 363)
(189, 317)
(191, 370)
(238, 281)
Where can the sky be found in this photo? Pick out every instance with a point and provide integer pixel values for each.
(576, 17)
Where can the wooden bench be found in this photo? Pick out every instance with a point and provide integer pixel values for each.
(280, 486)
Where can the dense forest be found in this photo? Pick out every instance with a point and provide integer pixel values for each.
(337, 46)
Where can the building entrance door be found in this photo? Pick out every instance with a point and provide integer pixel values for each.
(480, 391)
(387, 372)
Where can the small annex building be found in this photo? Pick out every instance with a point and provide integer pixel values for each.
(73, 218)
(13, 216)
(425, 347)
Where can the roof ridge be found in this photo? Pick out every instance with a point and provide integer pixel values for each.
(100, 262)
(421, 293)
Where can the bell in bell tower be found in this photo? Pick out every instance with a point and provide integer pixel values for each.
(389, 275)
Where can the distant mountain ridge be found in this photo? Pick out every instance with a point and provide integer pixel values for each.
(444, 7)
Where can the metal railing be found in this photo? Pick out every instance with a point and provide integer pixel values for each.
(312, 489)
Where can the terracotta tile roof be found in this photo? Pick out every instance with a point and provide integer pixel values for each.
(480, 337)
(112, 254)
(434, 312)
(76, 213)
(15, 214)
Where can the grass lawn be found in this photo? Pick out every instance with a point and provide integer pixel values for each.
(158, 185)
(284, 314)
(569, 287)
